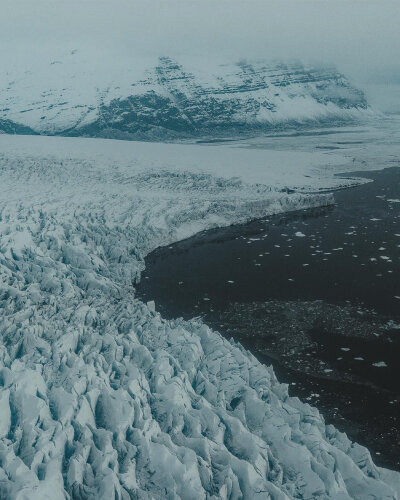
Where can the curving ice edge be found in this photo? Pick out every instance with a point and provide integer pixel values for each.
(101, 398)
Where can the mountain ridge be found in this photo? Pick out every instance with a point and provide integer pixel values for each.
(170, 100)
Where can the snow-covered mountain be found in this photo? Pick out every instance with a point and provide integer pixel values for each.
(162, 98)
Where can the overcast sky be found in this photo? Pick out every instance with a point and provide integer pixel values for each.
(362, 37)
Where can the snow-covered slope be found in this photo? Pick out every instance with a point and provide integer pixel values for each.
(103, 399)
(71, 94)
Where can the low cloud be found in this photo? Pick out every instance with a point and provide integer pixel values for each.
(361, 37)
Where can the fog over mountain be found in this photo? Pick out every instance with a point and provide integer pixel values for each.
(101, 396)
(361, 38)
(157, 70)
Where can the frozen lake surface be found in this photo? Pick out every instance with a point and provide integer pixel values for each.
(315, 292)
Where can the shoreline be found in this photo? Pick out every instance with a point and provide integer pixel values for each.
(88, 355)
(229, 324)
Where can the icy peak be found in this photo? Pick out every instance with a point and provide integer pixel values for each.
(166, 98)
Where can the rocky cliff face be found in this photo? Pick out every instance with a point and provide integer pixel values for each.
(10, 127)
(173, 100)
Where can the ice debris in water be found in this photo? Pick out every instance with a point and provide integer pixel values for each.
(151, 305)
(101, 398)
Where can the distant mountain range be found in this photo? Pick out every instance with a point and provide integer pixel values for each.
(167, 99)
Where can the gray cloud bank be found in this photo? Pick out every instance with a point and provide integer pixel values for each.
(361, 37)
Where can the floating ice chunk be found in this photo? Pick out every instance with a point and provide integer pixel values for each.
(380, 364)
(299, 234)
(151, 305)
(345, 349)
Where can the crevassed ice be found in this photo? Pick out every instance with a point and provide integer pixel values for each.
(101, 398)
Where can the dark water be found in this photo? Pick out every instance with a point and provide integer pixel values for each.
(316, 292)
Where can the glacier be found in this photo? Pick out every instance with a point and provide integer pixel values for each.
(101, 398)
(73, 93)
